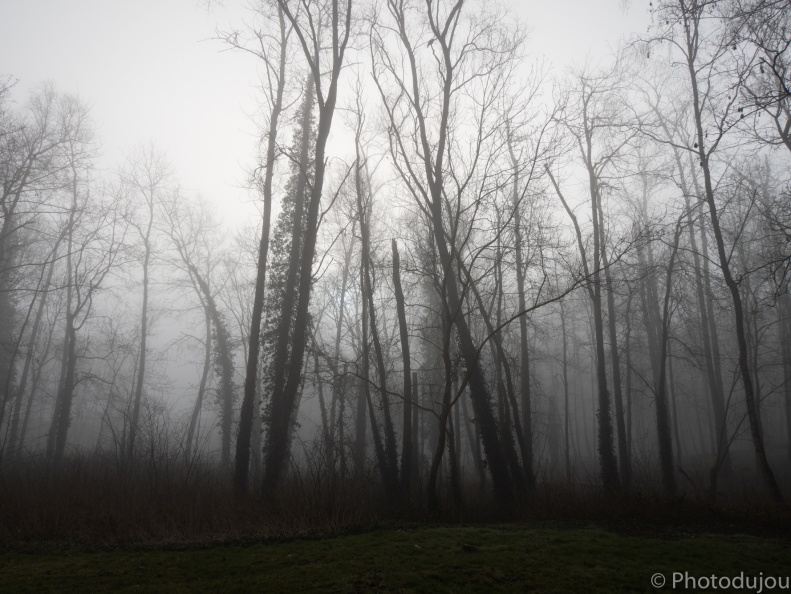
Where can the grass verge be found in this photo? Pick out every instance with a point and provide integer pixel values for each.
(443, 559)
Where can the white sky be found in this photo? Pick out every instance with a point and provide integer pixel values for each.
(150, 71)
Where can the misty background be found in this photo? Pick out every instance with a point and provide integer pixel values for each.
(569, 264)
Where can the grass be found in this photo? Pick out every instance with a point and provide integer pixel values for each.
(91, 526)
(506, 558)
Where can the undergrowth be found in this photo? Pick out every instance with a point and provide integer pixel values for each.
(95, 504)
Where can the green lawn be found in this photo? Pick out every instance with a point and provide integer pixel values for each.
(473, 559)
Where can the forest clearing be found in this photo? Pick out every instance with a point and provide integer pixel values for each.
(394, 294)
(504, 558)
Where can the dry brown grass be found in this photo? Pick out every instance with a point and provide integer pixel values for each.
(94, 503)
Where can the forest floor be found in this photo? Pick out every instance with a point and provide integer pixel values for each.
(497, 558)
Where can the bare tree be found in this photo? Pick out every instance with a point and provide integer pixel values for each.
(388, 460)
(323, 56)
(714, 90)
(670, 115)
(34, 149)
(94, 242)
(193, 233)
(407, 451)
(271, 49)
(146, 178)
(469, 57)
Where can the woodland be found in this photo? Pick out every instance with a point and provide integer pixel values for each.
(476, 287)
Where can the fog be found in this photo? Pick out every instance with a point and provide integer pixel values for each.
(455, 255)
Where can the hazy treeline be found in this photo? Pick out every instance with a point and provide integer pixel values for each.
(469, 273)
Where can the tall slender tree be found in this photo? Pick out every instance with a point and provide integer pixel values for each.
(273, 55)
(323, 56)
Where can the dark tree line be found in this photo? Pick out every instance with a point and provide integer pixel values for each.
(464, 271)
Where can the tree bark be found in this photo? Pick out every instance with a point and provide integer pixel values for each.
(196, 409)
(56, 439)
(713, 379)
(662, 412)
(14, 429)
(142, 355)
(733, 286)
(224, 356)
(566, 448)
(506, 393)
(284, 395)
(434, 150)
(407, 446)
(784, 312)
(363, 395)
(615, 360)
(246, 414)
(524, 352)
(609, 465)
(339, 382)
(390, 463)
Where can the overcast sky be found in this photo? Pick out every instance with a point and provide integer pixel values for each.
(150, 70)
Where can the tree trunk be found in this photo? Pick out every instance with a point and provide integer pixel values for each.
(506, 393)
(784, 311)
(524, 353)
(286, 364)
(36, 370)
(707, 327)
(56, 440)
(224, 356)
(473, 440)
(479, 391)
(342, 420)
(141, 365)
(325, 421)
(339, 382)
(415, 428)
(615, 359)
(433, 499)
(196, 410)
(566, 448)
(61, 419)
(363, 396)
(390, 447)
(738, 311)
(457, 455)
(722, 461)
(628, 351)
(407, 446)
(284, 395)
(389, 465)
(662, 412)
(434, 149)
(671, 379)
(246, 414)
(609, 465)
(14, 430)
(453, 454)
